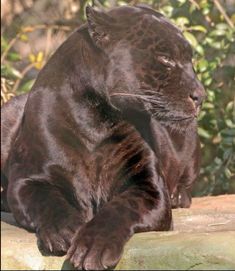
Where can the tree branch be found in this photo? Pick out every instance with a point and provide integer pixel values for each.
(222, 11)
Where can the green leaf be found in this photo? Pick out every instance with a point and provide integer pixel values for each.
(202, 65)
(229, 123)
(203, 3)
(228, 173)
(208, 81)
(10, 72)
(181, 2)
(207, 105)
(13, 56)
(213, 65)
(230, 106)
(228, 141)
(218, 32)
(26, 86)
(200, 50)
(209, 40)
(218, 161)
(210, 96)
(222, 26)
(206, 11)
(182, 21)
(228, 132)
(122, 3)
(216, 45)
(201, 115)
(198, 28)
(206, 74)
(16, 73)
(203, 133)
(191, 38)
(167, 10)
(192, 8)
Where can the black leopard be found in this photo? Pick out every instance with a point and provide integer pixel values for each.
(106, 141)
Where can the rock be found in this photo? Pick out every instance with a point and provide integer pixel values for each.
(219, 203)
(180, 251)
(203, 238)
(19, 251)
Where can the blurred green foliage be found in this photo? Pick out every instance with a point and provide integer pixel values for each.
(209, 27)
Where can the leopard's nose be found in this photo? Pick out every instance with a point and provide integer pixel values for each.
(198, 94)
(196, 99)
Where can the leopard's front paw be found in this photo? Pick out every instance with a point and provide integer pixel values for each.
(52, 241)
(95, 249)
(56, 238)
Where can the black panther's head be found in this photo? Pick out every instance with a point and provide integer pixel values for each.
(149, 64)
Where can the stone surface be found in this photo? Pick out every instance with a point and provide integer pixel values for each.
(180, 251)
(203, 239)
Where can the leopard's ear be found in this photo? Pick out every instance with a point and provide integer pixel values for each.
(99, 26)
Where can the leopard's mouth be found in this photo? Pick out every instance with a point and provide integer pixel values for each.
(157, 108)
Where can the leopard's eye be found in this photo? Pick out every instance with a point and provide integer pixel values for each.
(166, 61)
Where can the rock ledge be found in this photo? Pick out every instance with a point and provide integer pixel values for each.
(203, 239)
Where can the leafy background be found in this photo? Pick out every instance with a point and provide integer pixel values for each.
(33, 29)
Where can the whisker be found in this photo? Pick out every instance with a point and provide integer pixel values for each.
(141, 96)
(126, 94)
(160, 109)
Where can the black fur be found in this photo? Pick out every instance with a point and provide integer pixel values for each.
(106, 134)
